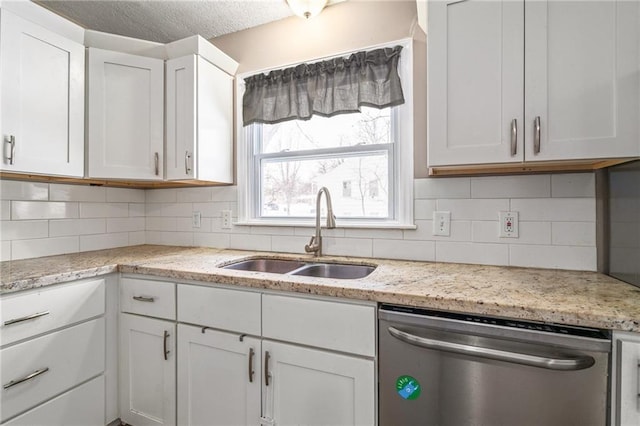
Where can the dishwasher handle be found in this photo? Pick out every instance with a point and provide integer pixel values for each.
(562, 364)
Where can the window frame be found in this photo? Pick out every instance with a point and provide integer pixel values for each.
(400, 157)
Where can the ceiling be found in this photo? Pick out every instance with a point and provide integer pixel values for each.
(165, 21)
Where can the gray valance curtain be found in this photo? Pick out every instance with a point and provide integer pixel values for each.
(326, 88)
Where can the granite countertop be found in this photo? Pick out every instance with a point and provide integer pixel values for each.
(568, 297)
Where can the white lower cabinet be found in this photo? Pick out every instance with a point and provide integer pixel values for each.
(147, 371)
(626, 379)
(314, 387)
(219, 377)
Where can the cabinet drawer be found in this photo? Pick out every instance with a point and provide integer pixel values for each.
(81, 406)
(233, 310)
(71, 356)
(147, 297)
(331, 325)
(31, 313)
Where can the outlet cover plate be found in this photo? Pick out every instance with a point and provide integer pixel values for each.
(509, 225)
(226, 219)
(442, 223)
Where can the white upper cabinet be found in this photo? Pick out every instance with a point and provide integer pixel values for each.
(475, 78)
(199, 121)
(513, 81)
(125, 116)
(42, 105)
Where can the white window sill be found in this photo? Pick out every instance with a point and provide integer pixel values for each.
(311, 223)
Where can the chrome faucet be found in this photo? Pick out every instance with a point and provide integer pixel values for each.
(315, 244)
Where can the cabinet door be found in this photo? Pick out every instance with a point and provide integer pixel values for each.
(627, 379)
(42, 83)
(582, 79)
(475, 77)
(314, 387)
(214, 380)
(181, 117)
(126, 103)
(147, 371)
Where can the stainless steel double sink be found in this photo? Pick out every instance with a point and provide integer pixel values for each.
(301, 268)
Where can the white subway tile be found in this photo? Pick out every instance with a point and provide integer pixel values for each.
(476, 253)
(225, 193)
(104, 210)
(573, 234)
(532, 186)
(125, 224)
(250, 242)
(161, 195)
(310, 230)
(26, 249)
(5, 210)
(137, 209)
(176, 209)
(216, 226)
(25, 210)
(161, 224)
(555, 209)
(460, 231)
(194, 195)
(208, 239)
(573, 185)
(529, 233)
(103, 241)
(389, 234)
(19, 190)
(423, 209)
(169, 238)
(5, 250)
(153, 209)
(125, 195)
(554, 257)
(77, 193)
(69, 227)
(185, 224)
(288, 244)
(409, 250)
(358, 247)
(23, 229)
(272, 230)
(137, 238)
(473, 209)
(431, 188)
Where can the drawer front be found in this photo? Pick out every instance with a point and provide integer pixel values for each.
(35, 312)
(71, 356)
(331, 325)
(147, 297)
(81, 406)
(233, 310)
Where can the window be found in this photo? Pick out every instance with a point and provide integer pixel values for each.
(365, 159)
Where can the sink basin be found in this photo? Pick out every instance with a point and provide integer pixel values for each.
(335, 270)
(307, 269)
(275, 266)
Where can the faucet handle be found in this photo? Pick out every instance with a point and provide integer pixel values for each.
(311, 247)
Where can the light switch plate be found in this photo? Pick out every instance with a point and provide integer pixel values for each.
(226, 219)
(509, 225)
(442, 223)
(197, 220)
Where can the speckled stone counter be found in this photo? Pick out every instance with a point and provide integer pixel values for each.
(567, 297)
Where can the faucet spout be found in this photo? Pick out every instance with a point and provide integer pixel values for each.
(315, 245)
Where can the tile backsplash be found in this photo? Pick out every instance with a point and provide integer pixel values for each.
(557, 222)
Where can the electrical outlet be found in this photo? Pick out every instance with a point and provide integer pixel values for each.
(509, 226)
(196, 220)
(226, 219)
(442, 223)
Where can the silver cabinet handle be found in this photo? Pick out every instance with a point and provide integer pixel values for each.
(266, 367)
(144, 299)
(251, 355)
(156, 157)
(27, 318)
(564, 364)
(514, 137)
(186, 162)
(12, 151)
(26, 378)
(164, 345)
(536, 135)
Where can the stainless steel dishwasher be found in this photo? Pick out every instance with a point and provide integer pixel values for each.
(454, 369)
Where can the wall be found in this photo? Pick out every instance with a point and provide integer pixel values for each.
(40, 219)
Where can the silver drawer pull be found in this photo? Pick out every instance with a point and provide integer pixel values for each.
(514, 137)
(27, 318)
(156, 159)
(186, 162)
(25, 378)
(144, 299)
(536, 135)
(12, 144)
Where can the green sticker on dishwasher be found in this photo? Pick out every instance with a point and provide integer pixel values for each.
(408, 387)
